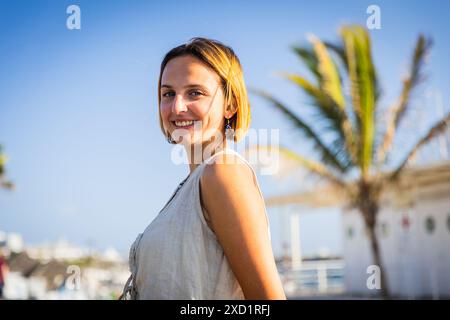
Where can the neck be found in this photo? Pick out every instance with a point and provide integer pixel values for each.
(200, 152)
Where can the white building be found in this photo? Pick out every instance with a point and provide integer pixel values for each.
(61, 270)
(60, 250)
(413, 229)
(414, 233)
(11, 241)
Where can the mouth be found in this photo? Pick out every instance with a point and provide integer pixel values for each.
(186, 124)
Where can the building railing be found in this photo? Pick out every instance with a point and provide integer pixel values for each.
(316, 277)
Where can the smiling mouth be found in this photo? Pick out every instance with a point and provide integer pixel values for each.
(183, 124)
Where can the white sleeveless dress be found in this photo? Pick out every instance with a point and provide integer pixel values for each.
(178, 255)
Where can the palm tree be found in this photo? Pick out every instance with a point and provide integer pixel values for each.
(356, 157)
(3, 182)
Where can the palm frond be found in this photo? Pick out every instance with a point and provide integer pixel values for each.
(309, 59)
(335, 115)
(328, 156)
(3, 161)
(331, 84)
(3, 182)
(399, 109)
(7, 185)
(362, 83)
(434, 132)
(313, 166)
(339, 51)
(331, 81)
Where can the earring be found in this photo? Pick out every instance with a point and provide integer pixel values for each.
(170, 140)
(228, 126)
(229, 132)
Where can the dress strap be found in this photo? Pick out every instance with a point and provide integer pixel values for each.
(127, 289)
(130, 290)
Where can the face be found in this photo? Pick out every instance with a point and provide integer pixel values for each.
(191, 92)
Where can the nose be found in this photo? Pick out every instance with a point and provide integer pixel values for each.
(178, 105)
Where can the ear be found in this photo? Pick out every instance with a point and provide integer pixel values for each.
(229, 112)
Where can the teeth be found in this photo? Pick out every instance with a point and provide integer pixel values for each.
(183, 123)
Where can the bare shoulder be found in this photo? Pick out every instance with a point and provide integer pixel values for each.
(230, 190)
(228, 171)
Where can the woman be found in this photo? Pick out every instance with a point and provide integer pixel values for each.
(211, 240)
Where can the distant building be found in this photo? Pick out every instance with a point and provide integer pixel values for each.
(414, 234)
(60, 250)
(12, 241)
(61, 271)
(413, 230)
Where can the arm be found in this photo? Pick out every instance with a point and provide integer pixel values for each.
(237, 216)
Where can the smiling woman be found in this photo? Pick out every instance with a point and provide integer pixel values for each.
(211, 240)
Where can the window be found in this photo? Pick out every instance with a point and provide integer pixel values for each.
(430, 225)
(350, 232)
(384, 229)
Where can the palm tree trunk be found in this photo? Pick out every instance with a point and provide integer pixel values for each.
(377, 261)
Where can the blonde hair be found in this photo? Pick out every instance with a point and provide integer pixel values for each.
(226, 64)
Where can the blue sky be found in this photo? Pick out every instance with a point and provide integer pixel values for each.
(78, 108)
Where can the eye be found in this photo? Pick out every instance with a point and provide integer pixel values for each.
(167, 94)
(196, 93)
